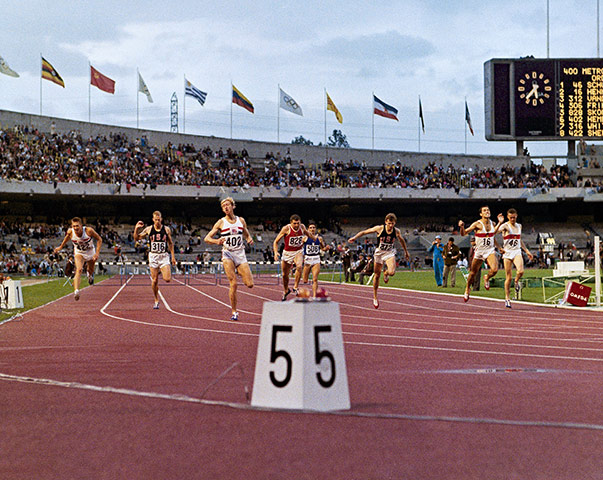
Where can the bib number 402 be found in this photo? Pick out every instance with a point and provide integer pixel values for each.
(319, 355)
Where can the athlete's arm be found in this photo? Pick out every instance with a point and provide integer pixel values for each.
(246, 233)
(376, 229)
(64, 242)
(138, 234)
(99, 241)
(323, 245)
(466, 231)
(170, 243)
(209, 238)
(281, 234)
(525, 249)
(403, 243)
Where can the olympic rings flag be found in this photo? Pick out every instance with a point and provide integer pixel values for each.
(287, 103)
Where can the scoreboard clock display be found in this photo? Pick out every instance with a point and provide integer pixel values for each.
(546, 99)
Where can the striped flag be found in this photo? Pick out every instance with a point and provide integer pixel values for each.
(331, 106)
(241, 100)
(468, 118)
(49, 73)
(384, 110)
(190, 89)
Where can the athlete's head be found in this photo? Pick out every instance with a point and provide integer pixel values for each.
(295, 220)
(76, 225)
(485, 211)
(312, 227)
(157, 218)
(227, 204)
(512, 215)
(390, 220)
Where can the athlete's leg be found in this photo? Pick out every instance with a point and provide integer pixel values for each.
(285, 269)
(299, 263)
(377, 275)
(230, 271)
(493, 264)
(306, 274)
(315, 272)
(79, 265)
(476, 265)
(166, 272)
(390, 268)
(518, 261)
(508, 276)
(155, 284)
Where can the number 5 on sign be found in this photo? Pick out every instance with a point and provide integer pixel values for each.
(300, 362)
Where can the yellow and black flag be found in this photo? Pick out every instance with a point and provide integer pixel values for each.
(49, 73)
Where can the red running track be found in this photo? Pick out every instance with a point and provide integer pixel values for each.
(109, 388)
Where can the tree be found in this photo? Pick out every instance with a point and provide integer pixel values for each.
(338, 139)
(301, 141)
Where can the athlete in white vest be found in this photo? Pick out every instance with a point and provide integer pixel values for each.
(233, 231)
(485, 247)
(84, 252)
(512, 246)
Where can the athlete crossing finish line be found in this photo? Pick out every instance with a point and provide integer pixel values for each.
(232, 230)
(385, 251)
(160, 239)
(294, 234)
(485, 247)
(84, 253)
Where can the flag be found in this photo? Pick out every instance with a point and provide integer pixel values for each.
(331, 106)
(102, 82)
(49, 73)
(383, 109)
(193, 91)
(6, 70)
(421, 116)
(241, 100)
(287, 103)
(142, 88)
(468, 118)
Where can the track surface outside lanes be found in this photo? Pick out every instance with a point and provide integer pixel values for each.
(453, 390)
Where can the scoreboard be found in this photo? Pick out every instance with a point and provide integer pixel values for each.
(544, 99)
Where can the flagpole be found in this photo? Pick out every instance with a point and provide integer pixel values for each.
(184, 107)
(373, 118)
(41, 71)
(325, 97)
(137, 88)
(465, 126)
(89, 88)
(231, 109)
(278, 115)
(419, 124)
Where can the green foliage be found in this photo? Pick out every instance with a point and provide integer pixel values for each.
(301, 141)
(338, 139)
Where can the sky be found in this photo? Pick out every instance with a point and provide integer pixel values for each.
(396, 50)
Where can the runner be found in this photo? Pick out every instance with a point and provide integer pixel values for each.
(232, 230)
(512, 246)
(293, 234)
(84, 253)
(161, 247)
(485, 247)
(312, 250)
(385, 251)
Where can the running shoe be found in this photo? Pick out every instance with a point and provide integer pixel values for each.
(375, 303)
(486, 282)
(285, 295)
(466, 297)
(508, 303)
(76, 295)
(295, 291)
(156, 306)
(385, 277)
(235, 316)
(90, 279)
